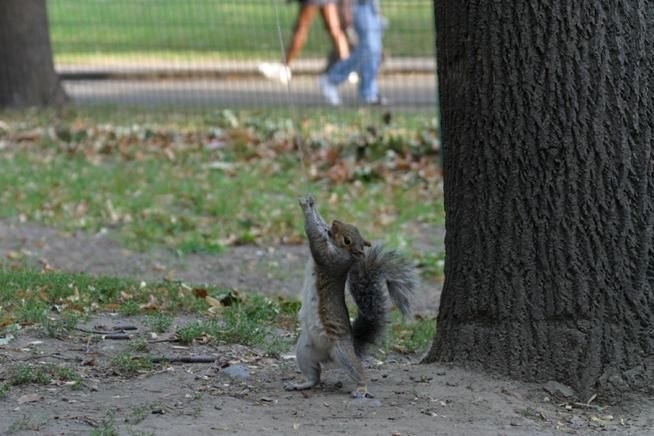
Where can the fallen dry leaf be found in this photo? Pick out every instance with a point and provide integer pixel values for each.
(152, 304)
(200, 293)
(215, 304)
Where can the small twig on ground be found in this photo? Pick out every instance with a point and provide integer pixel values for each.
(580, 405)
(184, 359)
(590, 400)
(85, 419)
(117, 336)
(156, 341)
(103, 332)
(122, 328)
(45, 356)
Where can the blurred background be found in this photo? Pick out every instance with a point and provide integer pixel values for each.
(206, 52)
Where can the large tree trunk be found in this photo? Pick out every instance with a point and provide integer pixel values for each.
(27, 75)
(547, 117)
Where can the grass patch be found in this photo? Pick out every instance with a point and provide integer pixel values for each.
(127, 365)
(202, 182)
(410, 337)
(26, 296)
(202, 29)
(31, 311)
(432, 266)
(22, 374)
(59, 327)
(193, 331)
(106, 427)
(251, 320)
(160, 322)
(27, 423)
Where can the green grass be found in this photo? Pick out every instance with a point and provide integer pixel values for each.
(148, 176)
(26, 296)
(410, 337)
(250, 320)
(127, 365)
(217, 29)
(60, 326)
(160, 322)
(432, 265)
(22, 374)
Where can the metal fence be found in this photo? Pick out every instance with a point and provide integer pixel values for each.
(207, 52)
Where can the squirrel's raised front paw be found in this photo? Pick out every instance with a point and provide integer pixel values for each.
(306, 202)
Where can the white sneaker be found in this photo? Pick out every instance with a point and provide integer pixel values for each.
(329, 91)
(353, 78)
(275, 71)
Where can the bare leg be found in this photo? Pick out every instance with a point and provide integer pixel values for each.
(332, 24)
(305, 16)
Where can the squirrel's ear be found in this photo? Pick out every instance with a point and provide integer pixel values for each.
(366, 243)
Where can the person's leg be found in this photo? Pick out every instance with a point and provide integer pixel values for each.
(337, 74)
(369, 28)
(329, 13)
(305, 16)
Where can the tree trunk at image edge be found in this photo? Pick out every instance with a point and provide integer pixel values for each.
(27, 75)
(547, 118)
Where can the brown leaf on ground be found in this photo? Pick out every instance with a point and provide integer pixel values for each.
(200, 293)
(152, 304)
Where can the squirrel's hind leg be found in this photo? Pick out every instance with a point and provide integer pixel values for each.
(308, 360)
(344, 354)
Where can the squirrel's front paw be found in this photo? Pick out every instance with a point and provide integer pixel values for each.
(306, 202)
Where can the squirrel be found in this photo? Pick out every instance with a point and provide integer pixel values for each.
(338, 257)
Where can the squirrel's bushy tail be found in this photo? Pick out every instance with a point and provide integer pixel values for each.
(370, 279)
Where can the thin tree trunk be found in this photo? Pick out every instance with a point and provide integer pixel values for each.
(27, 75)
(547, 117)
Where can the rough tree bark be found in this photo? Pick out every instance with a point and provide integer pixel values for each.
(547, 117)
(27, 75)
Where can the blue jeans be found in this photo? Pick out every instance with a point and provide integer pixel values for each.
(366, 56)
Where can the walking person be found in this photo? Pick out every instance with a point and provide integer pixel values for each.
(306, 13)
(365, 59)
(345, 18)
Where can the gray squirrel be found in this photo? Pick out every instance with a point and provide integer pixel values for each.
(338, 256)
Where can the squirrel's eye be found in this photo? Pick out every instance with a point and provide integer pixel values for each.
(347, 240)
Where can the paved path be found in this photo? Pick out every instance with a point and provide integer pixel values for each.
(404, 91)
(407, 82)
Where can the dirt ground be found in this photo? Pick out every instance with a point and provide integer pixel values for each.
(241, 391)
